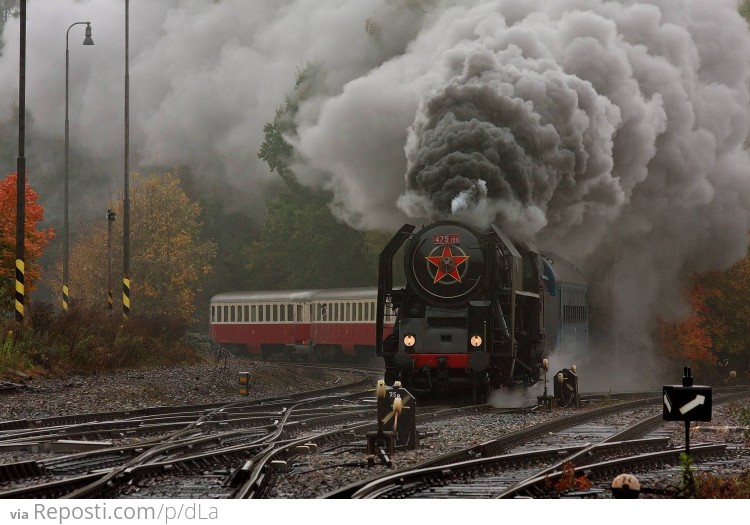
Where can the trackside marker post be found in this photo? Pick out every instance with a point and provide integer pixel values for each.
(244, 383)
(686, 403)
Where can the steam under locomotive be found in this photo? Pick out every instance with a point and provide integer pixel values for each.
(477, 308)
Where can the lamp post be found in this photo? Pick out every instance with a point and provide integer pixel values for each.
(87, 41)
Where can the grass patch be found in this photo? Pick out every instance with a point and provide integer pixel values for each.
(90, 341)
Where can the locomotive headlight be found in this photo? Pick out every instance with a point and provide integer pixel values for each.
(409, 340)
(476, 341)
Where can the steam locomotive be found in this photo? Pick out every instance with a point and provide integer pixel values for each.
(477, 308)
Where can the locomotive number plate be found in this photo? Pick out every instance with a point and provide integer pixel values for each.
(442, 238)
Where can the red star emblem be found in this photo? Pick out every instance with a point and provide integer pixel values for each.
(447, 264)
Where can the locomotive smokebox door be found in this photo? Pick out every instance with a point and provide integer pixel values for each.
(401, 417)
(566, 388)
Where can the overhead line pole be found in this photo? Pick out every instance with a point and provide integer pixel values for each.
(126, 195)
(21, 169)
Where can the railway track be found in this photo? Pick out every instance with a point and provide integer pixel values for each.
(544, 460)
(252, 449)
(164, 437)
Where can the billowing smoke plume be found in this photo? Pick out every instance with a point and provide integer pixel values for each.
(611, 132)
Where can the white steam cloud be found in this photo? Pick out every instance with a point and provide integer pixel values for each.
(611, 132)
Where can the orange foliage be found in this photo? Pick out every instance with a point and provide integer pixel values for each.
(35, 239)
(690, 340)
(569, 481)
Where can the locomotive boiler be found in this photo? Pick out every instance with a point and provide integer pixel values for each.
(477, 308)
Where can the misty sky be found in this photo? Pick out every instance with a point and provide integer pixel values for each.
(612, 132)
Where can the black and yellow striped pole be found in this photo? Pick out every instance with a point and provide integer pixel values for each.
(19, 289)
(125, 297)
(21, 168)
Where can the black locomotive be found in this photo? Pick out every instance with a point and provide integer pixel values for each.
(477, 308)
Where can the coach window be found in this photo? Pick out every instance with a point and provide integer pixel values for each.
(282, 312)
(348, 312)
(225, 317)
(253, 314)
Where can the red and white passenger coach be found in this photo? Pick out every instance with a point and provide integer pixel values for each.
(320, 324)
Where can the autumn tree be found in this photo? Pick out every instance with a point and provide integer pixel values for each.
(716, 336)
(35, 240)
(689, 340)
(728, 314)
(169, 261)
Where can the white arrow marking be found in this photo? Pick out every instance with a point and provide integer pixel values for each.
(666, 402)
(699, 400)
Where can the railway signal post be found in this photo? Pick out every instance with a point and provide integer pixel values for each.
(687, 403)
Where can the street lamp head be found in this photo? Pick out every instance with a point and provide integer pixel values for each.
(88, 41)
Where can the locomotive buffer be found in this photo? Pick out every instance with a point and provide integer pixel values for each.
(686, 403)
